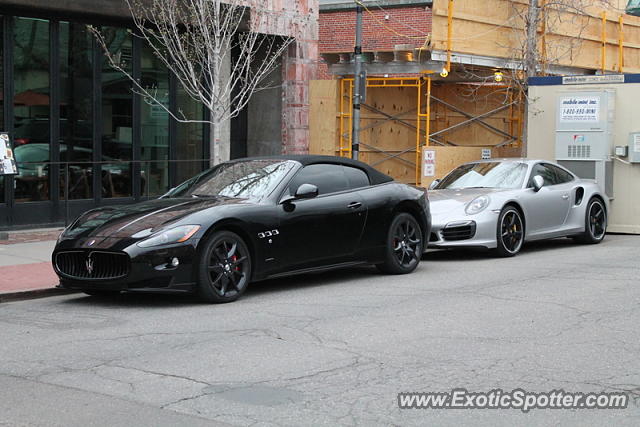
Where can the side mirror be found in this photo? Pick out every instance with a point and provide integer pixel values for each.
(434, 184)
(306, 191)
(538, 183)
(165, 194)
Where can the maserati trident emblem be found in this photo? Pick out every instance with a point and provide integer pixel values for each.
(89, 264)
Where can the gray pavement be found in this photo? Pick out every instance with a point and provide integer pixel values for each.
(336, 348)
(26, 253)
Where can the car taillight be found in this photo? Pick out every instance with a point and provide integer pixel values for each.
(22, 141)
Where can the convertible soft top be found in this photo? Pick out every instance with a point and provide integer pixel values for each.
(375, 176)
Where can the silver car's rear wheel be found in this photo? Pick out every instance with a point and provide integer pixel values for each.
(595, 225)
(510, 232)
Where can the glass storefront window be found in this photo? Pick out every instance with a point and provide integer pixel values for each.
(1, 97)
(154, 121)
(189, 137)
(31, 108)
(76, 110)
(117, 116)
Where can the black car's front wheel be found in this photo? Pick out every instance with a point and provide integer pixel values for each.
(510, 232)
(404, 245)
(224, 268)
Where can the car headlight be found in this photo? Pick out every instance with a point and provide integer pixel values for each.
(477, 205)
(173, 235)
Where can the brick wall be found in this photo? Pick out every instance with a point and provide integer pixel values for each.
(297, 19)
(337, 29)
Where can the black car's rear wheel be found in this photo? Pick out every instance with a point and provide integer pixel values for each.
(404, 245)
(510, 232)
(224, 268)
(595, 225)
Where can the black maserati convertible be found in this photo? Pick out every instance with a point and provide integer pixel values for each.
(247, 220)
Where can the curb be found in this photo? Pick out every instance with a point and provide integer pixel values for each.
(33, 294)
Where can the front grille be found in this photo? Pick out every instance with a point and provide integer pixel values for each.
(93, 264)
(459, 232)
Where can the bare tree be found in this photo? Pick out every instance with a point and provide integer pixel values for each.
(213, 49)
(539, 39)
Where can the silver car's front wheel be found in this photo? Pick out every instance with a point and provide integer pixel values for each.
(510, 232)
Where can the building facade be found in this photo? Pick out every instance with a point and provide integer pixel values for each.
(392, 30)
(83, 138)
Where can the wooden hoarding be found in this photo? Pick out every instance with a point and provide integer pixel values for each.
(323, 123)
(495, 28)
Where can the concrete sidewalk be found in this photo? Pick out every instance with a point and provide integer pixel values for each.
(26, 271)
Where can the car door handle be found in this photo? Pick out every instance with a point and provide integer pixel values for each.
(354, 205)
(565, 196)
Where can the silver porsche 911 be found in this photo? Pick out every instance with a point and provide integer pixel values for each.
(500, 204)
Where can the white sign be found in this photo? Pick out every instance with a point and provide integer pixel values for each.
(585, 80)
(636, 143)
(486, 153)
(7, 162)
(429, 163)
(580, 109)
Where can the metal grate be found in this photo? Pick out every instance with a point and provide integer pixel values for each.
(93, 264)
(579, 151)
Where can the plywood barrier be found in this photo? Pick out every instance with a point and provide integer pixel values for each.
(323, 123)
(495, 28)
(389, 144)
(474, 100)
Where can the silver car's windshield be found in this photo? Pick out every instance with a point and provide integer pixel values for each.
(251, 179)
(485, 175)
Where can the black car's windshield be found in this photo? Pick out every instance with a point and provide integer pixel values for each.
(251, 179)
(485, 175)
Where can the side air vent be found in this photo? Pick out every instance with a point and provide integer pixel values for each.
(579, 195)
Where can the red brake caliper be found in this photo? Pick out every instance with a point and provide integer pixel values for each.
(234, 258)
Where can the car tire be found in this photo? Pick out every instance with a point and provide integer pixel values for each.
(224, 268)
(404, 245)
(509, 232)
(595, 223)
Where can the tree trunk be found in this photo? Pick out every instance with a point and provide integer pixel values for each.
(530, 63)
(214, 140)
(531, 49)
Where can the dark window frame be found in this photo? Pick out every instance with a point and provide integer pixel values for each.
(56, 206)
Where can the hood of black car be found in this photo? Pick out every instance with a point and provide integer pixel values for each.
(126, 221)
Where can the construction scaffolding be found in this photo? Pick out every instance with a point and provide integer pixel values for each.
(402, 116)
(420, 125)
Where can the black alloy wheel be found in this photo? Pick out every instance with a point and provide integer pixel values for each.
(595, 222)
(225, 268)
(404, 245)
(510, 233)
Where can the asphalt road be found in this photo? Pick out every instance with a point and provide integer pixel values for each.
(336, 348)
